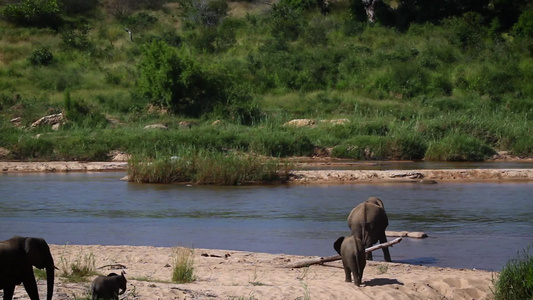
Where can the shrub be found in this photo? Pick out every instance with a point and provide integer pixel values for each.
(214, 39)
(459, 147)
(183, 270)
(139, 20)
(205, 167)
(281, 143)
(29, 147)
(524, 26)
(80, 114)
(362, 147)
(173, 80)
(515, 281)
(41, 57)
(38, 13)
(287, 22)
(79, 6)
(207, 13)
(76, 38)
(79, 269)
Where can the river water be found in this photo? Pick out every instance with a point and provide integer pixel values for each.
(470, 225)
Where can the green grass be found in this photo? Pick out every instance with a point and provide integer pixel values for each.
(183, 268)
(444, 91)
(78, 269)
(515, 281)
(206, 167)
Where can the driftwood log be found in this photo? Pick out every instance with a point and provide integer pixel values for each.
(321, 260)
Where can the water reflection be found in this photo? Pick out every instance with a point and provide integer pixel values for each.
(470, 225)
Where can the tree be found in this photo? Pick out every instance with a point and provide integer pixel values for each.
(173, 80)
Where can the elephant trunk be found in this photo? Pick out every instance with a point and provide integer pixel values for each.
(50, 281)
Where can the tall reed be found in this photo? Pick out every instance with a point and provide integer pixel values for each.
(206, 167)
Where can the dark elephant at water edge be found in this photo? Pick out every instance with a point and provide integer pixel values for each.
(368, 222)
(18, 256)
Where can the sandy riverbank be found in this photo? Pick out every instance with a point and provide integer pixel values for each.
(227, 274)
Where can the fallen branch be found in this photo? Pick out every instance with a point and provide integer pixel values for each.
(113, 266)
(321, 260)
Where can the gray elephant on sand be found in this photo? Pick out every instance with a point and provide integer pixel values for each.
(352, 251)
(18, 256)
(107, 287)
(368, 222)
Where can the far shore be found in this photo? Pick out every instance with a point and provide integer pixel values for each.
(307, 176)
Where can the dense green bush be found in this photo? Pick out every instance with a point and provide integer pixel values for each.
(515, 281)
(77, 38)
(458, 147)
(38, 13)
(168, 79)
(41, 56)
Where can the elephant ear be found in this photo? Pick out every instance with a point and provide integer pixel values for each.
(37, 252)
(337, 244)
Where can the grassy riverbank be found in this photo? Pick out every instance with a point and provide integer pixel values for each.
(453, 88)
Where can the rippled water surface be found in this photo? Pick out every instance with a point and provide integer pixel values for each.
(470, 225)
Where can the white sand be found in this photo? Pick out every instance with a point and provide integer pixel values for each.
(248, 275)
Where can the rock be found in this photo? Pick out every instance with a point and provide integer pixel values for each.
(4, 152)
(336, 121)
(187, 124)
(48, 120)
(117, 155)
(428, 181)
(300, 123)
(216, 123)
(396, 233)
(156, 126)
(417, 235)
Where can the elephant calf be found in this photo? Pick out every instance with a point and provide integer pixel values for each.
(107, 287)
(353, 255)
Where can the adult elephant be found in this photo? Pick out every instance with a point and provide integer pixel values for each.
(368, 222)
(18, 255)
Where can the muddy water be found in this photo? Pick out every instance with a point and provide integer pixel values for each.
(470, 225)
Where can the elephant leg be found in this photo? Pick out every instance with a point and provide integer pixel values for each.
(386, 253)
(31, 288)
(348, 274)
(8, 292)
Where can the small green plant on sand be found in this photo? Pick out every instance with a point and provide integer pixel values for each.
(40, 274)
(382, 269)
(515, 281)
(79, 269)
(183, 271)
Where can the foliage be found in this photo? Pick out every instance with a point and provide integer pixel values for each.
(208, 13)
(459, 147)
(423, 73)
(204, 167)
(183, 269)
(38, 13)
(79, 269)
(515, 281)
(41, 56)
(77, 39)
(173, 80)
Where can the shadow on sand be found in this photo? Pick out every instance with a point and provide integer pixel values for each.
(381, 281)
